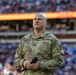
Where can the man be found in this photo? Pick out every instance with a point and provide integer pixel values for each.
(40, 44)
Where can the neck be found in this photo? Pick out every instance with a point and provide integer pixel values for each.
(38, 32)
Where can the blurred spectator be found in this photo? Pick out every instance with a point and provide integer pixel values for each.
(30, 29)
(61, 28)
(4, 28)
(24, 28)
(9, 69)
(1, 68)
(6, 69)
(48, 26)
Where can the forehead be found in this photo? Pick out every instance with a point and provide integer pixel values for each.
(39, 16)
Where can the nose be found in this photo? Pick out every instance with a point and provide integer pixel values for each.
(36, 20)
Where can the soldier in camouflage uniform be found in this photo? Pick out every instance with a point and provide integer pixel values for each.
(41, 44)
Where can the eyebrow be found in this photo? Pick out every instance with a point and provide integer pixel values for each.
(38, 18)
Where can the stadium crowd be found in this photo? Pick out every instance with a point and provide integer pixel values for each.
(27, 6)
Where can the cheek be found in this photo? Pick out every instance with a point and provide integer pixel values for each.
(42, 23)
(33, 23)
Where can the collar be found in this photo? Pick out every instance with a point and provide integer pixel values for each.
(43, 35)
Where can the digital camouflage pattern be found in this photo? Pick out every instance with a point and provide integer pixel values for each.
(46, 47)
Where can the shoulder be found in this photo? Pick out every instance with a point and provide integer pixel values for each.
(27, 37)
(52, 37)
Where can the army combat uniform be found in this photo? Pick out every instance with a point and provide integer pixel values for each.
(46, 48)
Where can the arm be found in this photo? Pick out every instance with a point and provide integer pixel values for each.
(55, 57)
(18, 60)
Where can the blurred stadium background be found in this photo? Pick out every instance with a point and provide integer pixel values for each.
(16, 21)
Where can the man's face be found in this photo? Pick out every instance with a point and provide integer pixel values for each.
(39, 21)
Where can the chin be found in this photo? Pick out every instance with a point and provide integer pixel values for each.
(36, 28)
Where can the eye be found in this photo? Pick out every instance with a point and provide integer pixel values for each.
(39, 19)
(34, 19)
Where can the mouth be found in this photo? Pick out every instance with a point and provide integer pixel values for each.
(36, 24)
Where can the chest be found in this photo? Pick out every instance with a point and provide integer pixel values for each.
(40, 47)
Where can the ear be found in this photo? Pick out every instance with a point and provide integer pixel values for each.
(46, 22)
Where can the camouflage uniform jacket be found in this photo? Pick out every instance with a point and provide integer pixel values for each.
(46, 47)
